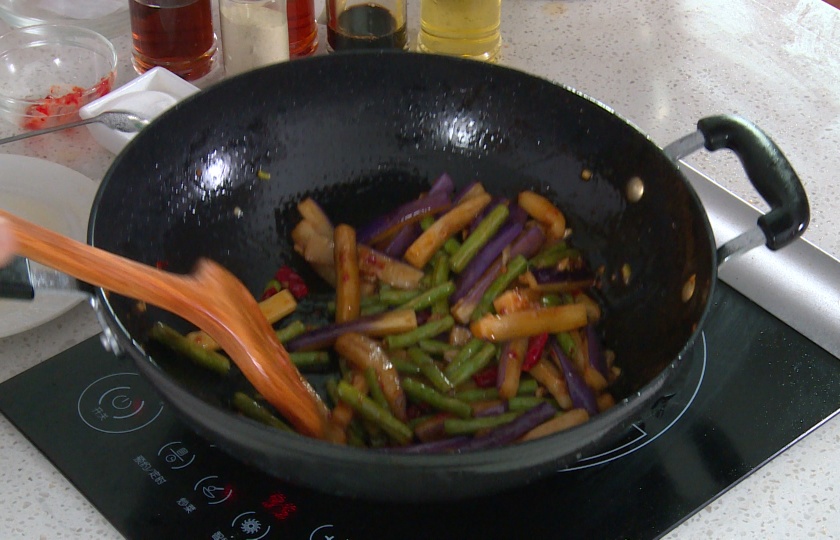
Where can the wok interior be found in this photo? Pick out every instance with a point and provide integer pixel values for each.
(360, 133)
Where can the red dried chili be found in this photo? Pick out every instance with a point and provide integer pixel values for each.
(536, 345)
(487, 377)
(291, 280)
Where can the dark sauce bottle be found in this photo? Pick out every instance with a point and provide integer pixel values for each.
(366, 26)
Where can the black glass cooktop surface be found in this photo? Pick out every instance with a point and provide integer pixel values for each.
(755, 385)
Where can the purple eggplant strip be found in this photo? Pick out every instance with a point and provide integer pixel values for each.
(526, 245)
(407, 235)
(596, 352)
(325, 336)
(494, 202)
(500, 436)
(485, 257)
(399, 243)
(403, 214)
(443, 184)
(549, 275)
(508, 433)
(517, 214)
(582, 396)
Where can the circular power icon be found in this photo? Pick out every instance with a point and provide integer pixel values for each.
(118, 403)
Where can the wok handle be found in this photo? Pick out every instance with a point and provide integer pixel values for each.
(15, 281)
(768, 170)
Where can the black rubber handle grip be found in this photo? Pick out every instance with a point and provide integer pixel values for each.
(769, 172)
(14, 280)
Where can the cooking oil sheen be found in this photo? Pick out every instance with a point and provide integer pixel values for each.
(468, 28)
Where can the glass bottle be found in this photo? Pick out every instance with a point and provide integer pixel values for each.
(362, 24)
(175, 34)
(466, 28)
(255, 33)
(303, 31)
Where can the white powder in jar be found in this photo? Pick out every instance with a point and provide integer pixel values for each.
(254, 34)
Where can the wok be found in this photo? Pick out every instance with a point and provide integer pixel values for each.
(363, 132)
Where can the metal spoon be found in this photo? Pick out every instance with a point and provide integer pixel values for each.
(124, 121)
(210, 297)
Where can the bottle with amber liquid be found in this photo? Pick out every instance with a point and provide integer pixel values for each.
(303, 30)
(465, 28)
(175, 34)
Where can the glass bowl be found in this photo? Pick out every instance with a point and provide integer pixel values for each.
(48, 72)
(108, 17)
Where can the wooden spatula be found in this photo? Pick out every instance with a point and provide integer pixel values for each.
(210, 298)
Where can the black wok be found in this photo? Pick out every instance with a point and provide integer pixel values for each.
(361, 132)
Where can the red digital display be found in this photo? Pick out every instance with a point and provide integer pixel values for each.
(279, 506)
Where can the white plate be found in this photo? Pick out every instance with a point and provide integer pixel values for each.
(54, 197)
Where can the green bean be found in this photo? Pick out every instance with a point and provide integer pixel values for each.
(369, 410)
(405, 367)
(376, 393)
(549, 300)
(515, 268)
(426, 222)
(310, 360)
(253, 410)
(414, 422)
(420, 392)
(433, 346)
(430, 296)
(567, 343)
(429, 368)
(426, 331)
(477, 394)
(458, 426)
(527, 387)
(451, 246)
(332, 389)
(373, 309)
(440, 275)
(472, 365)
(478, 237)
(552, 255)
(291, 331)
(394, 297)
(526, 403)
(469, 349)
(174, 340)
(355, 432)
(376, 435)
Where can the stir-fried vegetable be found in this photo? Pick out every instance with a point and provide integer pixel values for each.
(461, 322)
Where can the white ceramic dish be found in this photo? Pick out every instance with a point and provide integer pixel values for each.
(54, 197)
(148, 95)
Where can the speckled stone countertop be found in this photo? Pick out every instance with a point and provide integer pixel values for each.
(660, 64)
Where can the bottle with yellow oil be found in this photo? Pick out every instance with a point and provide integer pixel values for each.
(466, 28)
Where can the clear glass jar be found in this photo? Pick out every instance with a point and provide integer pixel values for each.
(255, 33)
(175, 34)
(466, 28)
(362, 24)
